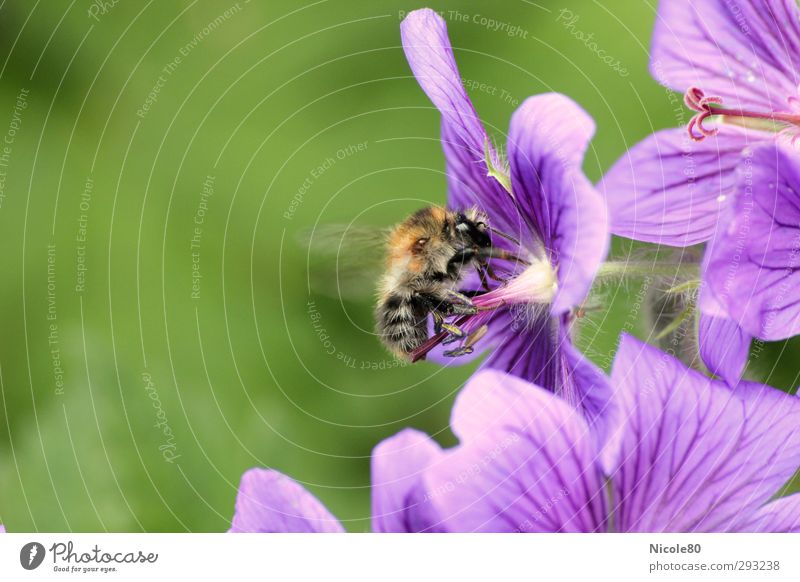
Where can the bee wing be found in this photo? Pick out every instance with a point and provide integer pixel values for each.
(344, 261)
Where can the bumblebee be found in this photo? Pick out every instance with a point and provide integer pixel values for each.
(428, 255)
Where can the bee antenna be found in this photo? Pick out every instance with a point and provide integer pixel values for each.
(504, 235)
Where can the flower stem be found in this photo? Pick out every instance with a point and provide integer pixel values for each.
(642, 269)
(689, 285)
(682, 317)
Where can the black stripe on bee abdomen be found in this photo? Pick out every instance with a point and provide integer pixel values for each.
(402, 323)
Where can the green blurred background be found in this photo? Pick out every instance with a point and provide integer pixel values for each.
(135, 393)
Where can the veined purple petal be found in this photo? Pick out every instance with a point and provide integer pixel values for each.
(779, 516)
(668, 189)
(469, 185)
(527, 342)
(430, 55)
(746, 52)
(464, 139)
(269, 501)
(526, 345)
(526, 462)
(752, 265)
(398, 501)
(547, 139)
(724, 347)
(696, 455)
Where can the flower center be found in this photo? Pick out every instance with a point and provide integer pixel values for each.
(708, 106)
(536, 285)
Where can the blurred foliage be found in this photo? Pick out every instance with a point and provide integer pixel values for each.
(253, 128)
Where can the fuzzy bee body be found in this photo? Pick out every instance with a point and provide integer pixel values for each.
(428, 255)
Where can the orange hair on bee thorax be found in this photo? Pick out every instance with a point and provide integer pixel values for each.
(401, 245)
(405, 238)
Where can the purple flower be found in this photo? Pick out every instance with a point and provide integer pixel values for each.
(751, 266)
(672, 187)
(269, 501)
(543, 199)
(724, 345)
(668, 188)
(692, 455)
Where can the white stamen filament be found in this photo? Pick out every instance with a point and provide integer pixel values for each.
(536, 284)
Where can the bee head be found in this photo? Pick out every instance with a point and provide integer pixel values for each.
(473, 229)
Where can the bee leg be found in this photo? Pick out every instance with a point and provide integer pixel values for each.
(462, 351)
(440, 309)
(439, 325)
(432, 304)
(469, 342)
(450, 339)
(460, 301)
(455, 332)
(505, 236)
(455, 309)
(438, 320)
(502, 254)
(492, 275)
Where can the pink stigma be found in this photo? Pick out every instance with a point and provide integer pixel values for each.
(696, 100)
(708, 106)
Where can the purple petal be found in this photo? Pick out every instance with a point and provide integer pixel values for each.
(779, 516)
(667, 188)
(398, 503)
(696, 455)
(2, 528)
(464, 139)
(588, 389)
(469, 185)
(537, 348)
(521, 341)
(526, 344)
(752, 266)
(269, 501)
(745, 52)
(526, 462)
(547, 139)
(724, 347)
